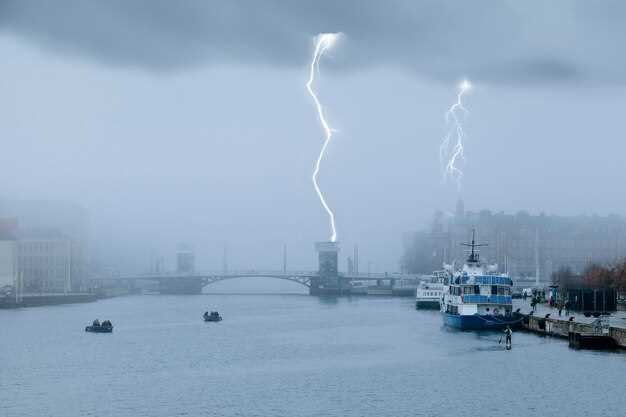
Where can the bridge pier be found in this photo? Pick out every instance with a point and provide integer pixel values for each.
(328, 281)
(175, 285)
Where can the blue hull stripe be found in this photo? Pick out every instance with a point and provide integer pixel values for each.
(477, 322)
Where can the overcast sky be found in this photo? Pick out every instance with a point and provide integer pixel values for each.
(190, 122)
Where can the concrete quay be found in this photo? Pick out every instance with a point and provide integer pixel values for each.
(575, 322)
(36, 300)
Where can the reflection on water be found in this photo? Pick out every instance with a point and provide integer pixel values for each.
(287, 355)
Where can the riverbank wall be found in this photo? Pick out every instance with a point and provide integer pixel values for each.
(37, 300)
(547, 326)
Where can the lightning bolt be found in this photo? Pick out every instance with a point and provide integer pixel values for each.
(323, 42)
(449, 156)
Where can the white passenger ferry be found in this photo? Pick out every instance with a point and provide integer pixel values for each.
(475, 298)
(429, 293)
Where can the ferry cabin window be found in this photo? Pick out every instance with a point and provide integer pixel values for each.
(500, 290)
(468, 289)
(504, 291)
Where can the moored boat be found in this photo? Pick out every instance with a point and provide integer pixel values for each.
(476, 297)
(429, 293)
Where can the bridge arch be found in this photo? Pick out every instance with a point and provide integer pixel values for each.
(302, 280)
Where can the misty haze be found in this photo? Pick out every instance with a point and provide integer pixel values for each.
(329, 208)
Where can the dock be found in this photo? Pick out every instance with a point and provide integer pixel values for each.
(573, 329)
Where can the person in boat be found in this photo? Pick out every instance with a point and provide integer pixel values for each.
(96, 323)
(508, 333)
(106, 323)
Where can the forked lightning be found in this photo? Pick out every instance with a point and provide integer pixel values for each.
(323, 42)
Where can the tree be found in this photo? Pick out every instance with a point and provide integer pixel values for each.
(619, 276)
(598, 276)
(565, 278)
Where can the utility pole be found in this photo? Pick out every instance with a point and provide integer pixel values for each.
(68, 281)
(356, 260)
(285, 259)
(19, 287)
(537, 257)
(225, 259)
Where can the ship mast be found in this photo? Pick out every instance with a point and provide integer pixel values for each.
(473, 258)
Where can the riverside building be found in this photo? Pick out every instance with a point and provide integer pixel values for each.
(524, 245)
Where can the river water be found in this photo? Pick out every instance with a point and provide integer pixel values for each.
(288, 355)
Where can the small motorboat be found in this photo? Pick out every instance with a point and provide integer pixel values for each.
(214, 316)
(96, 327)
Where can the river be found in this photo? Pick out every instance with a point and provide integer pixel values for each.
(287, 355)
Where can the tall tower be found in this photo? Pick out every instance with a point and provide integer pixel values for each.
(460, 209)
(328, 281)
(327, 256)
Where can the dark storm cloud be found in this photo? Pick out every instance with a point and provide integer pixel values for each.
(504, 41)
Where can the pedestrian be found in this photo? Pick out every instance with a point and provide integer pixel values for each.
(560, 309)
(508, 333)
(567, 308)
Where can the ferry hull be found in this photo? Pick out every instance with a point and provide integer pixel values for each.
(477, 322)
(427, 305)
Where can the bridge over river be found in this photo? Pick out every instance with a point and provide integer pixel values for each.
(326, 280)
(192, 283)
